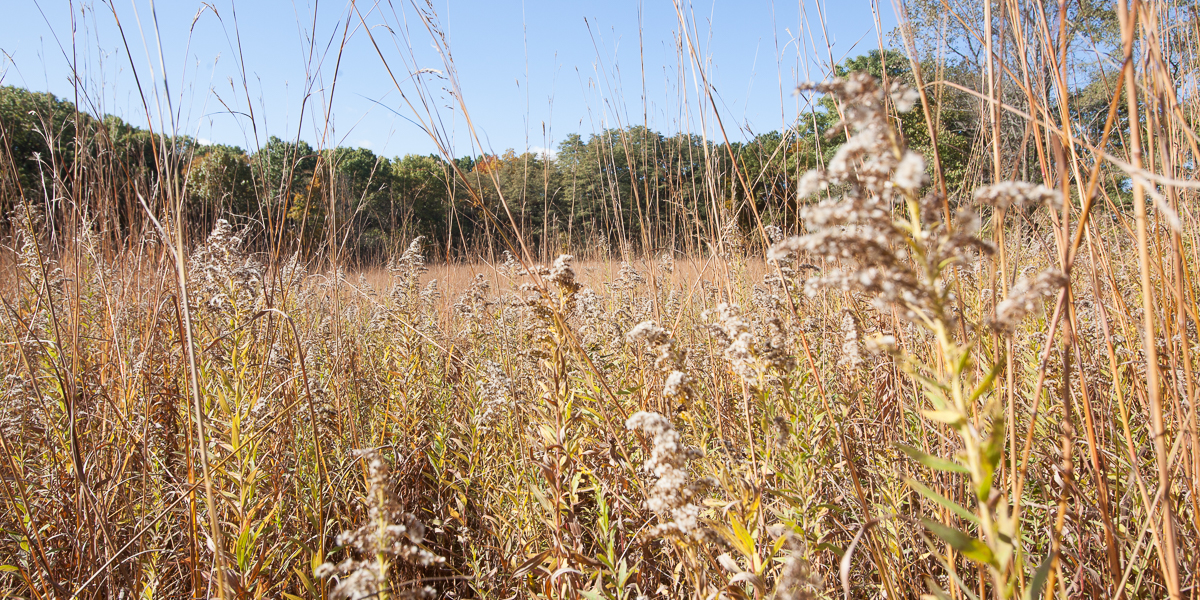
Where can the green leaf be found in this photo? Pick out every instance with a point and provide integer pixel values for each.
(950, 417)
(623, 574)
(1039, 578)
(603, 559)
(993, 453)
(8, 569)
(934, 390)
(306, 582)
(933, 462)
(590, 595)
(986, 384)
(942, 500)
(737, 536)
(964, 358)
(965, 544)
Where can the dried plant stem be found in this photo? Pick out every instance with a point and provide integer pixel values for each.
(848, 457)
(1127, 12)
(184, 312)
(1099, 472)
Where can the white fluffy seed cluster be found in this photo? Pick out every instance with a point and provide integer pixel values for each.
(1020, 194)
(474, 303)
(851, 355)
(668, 360)
(797, 579)
(734, 332)
(563, 276)
(510, 267)
(1023, 298)
(592, 317)
(407, 271)
(749, 356)
(671, 496)
(221, 275)
(859, 225)
(904, 98)
(412, 261)
(910, 172)
(388, 531)
(495, 394)
(562, 273)
(859, 229)
(867, 158)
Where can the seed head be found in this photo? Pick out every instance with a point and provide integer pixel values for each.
(1016, 193)
(671, 495)
(1022, 298)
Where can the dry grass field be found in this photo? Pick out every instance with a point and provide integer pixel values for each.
(906, 391)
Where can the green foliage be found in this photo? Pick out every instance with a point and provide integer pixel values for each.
(36, 124)
(220, 181)
(629, 188)
(956, 129)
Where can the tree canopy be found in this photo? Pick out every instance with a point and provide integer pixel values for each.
(631, 187)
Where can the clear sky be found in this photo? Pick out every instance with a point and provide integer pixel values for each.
(530, 71)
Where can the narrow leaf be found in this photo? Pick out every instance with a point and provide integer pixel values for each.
(1039, 578)
(530, 563)
(986, 384)
(745, 541)
(942, 500)
(950, 417)
(965, 544)
(938, 592)
(993, 453)
(933, 462)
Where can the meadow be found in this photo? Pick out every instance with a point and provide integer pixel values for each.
(917, 369)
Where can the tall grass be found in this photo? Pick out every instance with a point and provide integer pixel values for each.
(891, 381)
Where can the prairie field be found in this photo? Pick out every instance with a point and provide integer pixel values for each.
(933, 339)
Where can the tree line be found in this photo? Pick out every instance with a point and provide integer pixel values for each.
(621, 189)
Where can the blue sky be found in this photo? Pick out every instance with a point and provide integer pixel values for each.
(531, 72)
